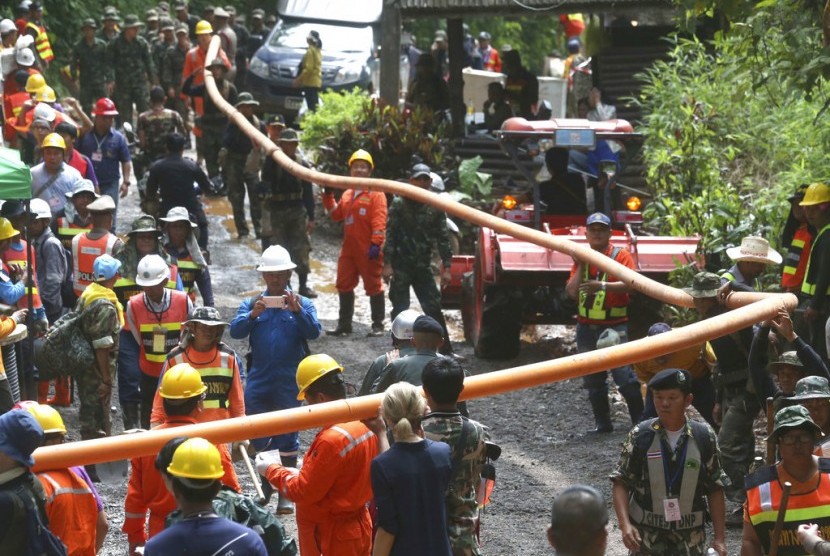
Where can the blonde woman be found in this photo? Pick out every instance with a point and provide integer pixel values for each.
(410, 481)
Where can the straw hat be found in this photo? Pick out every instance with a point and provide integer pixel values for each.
(754, 249)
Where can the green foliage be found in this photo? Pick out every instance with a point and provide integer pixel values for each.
(472, 183)
(392, 136)
(729, 136)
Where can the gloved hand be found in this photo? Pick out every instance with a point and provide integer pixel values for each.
(264, 460)
(136, 549)
(374, 252)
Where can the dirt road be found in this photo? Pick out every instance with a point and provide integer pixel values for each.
(541, 431)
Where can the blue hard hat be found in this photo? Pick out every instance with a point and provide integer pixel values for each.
(105, 267)
(598, 218)
(20, 435)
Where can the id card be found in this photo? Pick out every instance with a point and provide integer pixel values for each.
(671, 509)
(159, 339)
(97, 156)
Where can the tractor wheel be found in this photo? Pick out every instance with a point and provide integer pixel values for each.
(492, 317)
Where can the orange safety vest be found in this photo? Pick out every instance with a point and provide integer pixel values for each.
(72, 510)
(84, 253)
(795, 261)
(763, 497)
(68, 230)
(125, 287)
(159, 332)
(13, 256)
(42, 44)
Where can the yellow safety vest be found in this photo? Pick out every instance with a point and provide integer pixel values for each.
(42, 44)
(810, 287)
(597, 310)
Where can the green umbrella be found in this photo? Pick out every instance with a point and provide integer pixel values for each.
(15, 177)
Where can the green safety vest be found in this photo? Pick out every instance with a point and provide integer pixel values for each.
(597, 309)
(729, 277)
(808, 287)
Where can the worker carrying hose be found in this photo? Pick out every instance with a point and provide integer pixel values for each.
(794, 433)
(669, 469)
(332, 488)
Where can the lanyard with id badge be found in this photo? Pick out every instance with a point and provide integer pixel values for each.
(159, 332)
(671, 504)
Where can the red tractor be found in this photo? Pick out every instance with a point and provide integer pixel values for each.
(510, 282)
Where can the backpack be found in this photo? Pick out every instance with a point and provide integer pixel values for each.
(41, 541)
(65, 350)
(244, 511)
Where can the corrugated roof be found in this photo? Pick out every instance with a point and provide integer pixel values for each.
(446, 8)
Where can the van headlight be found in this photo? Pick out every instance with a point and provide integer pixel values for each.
(259, 67)
(348, 74)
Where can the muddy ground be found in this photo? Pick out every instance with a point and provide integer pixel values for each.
(541, 431)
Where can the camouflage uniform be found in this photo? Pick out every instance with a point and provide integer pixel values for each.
(98, 321)
(380, 363)
(286, 206)
(170, 75)
(156, 126)
(411, 231)
(405, 369)
(633, 472)
(462, 509)
(93, 75)
(133, 67)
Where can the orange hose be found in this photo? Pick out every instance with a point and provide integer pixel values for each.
(497, 382)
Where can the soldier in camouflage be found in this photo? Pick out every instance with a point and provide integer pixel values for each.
(133, 68)
(166, 40)
(411, 231)
(109, 31)
(154, 126)
(170, 74)
(87, 66)
(668, 470)
(443, 380)
(152, 30)
(101, 318)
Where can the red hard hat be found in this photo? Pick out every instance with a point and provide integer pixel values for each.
(104, 107)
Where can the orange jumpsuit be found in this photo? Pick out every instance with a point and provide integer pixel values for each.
(364, 223)
(331, 491)
(72, 510)
(195, 60)
(220, 373)
(146, 491)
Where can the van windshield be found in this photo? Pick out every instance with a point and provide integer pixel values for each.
(335, 39)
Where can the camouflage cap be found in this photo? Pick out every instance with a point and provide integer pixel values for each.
(793, 417)
(181, 28)
(131, 21)
(704, 284)
(167, 24)
(231, 10)
(207, 315)
(89, 22)
(144, 223)
(787, 359)
(110, 14)
(811, 388)
(151, 14)
(164, 7)
(257, 13)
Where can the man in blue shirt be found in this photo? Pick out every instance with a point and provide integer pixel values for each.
(53, 178)
(108, 150)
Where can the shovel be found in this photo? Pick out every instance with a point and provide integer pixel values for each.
(113, 472)
(252, 472)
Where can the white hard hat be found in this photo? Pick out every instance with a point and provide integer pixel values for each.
(40, 208)
(275, 259)
(7, 26)
(43, 110)
(152, 271)
(437, 182)
(24, 57)
(403, 323)
(23, 41)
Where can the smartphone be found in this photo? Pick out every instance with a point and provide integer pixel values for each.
(274, 301)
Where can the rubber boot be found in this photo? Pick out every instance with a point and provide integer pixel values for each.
(43, 391)
(285, 506)
(304, 290)
(602, 412)
(129, 414)
(378, 305)
(63, 392)
(267, 489)
(344, 323)
(634, 399)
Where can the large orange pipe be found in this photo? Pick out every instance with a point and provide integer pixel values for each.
(497, 382)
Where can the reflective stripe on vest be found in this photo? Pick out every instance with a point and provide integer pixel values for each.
(57, 489)
(13, 256)
(218, 379)
(189, 272)
(597, 310)
(808, 287)
(353, 442)
(124, 289)
(152, 354)
(764, 500)
(729, 277)
(84, 253)
(67, 231)
(795, 261)
(657, 482)
(42, 44)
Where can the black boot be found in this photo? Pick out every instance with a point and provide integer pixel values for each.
(344, 323)
(285, 505)
(129, 415)
(378, 305)
(602, 412)
(634, 399)
(304, 290)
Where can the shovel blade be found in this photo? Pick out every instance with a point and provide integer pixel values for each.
(113, 472)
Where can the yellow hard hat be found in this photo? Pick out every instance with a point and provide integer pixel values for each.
(181, 382)
(53, 140)
(313, 367)
(6, 229)
(35, 82)
(46, 94)
(204, 28)
(196, 458)
(816, 194)
(360, 154)
(48, 417)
